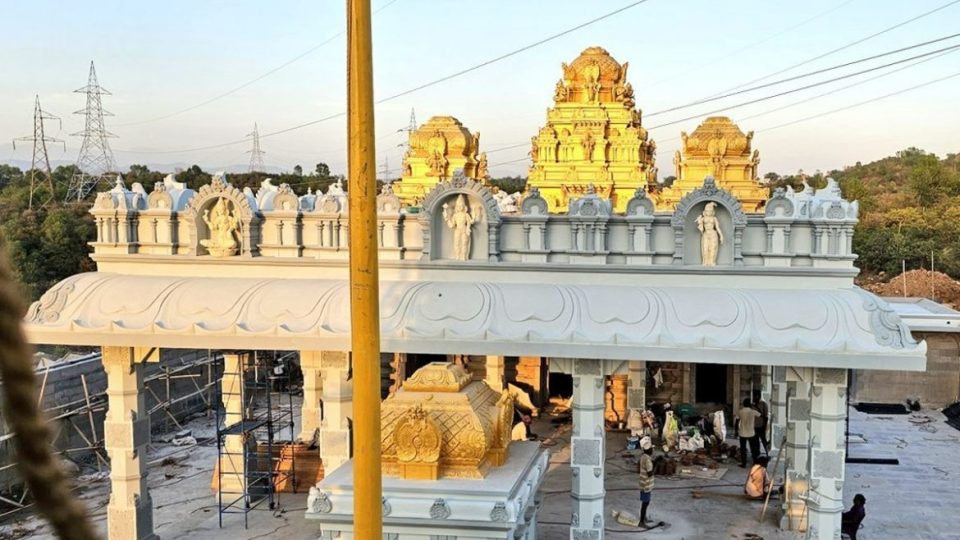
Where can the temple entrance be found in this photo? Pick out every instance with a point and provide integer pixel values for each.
(711, 383)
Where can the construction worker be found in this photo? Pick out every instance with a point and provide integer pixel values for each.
(745, 429)
(850, 521)
(645, 467)
(762, 421)
(758, 482)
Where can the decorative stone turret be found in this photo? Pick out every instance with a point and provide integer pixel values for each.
(441, 424)
(437, 149)
(116, 215)
(592, 136)
(719, 149)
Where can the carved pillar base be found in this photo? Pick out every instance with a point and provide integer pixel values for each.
(793, 511)
(494, 375)
(312, 389)
(335, 427)
(637, 389)
(126, 431)
(587, 450)
(828, 400)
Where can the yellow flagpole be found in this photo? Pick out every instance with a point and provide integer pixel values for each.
(364, 275)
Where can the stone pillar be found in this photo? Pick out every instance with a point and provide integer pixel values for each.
(126, 431)
(312, 388)
(587, 450)
(637, 389)
(795, 453)
(828, 401)
(232, 466)
(778, 407)
(494, 375)
(532, 373)
(337, 397)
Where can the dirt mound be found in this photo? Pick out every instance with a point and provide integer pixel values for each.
(919, 283)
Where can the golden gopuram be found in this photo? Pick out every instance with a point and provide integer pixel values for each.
(443, 424)
(437, 149)
(593, 136)
(716, 148)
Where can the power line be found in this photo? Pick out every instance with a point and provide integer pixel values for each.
(841, 109)
(844, 47)
(254, 80)
(842, 88)
(422, 86)
(807, 87)
(803, 76)
(751, 45)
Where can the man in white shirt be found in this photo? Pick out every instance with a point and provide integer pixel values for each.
(745, 429)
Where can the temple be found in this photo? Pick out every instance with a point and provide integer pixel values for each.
(593, 136)
(436, 149)
(591, 288)
(719, 149)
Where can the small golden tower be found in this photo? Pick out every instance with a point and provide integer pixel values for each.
(593, 136)
(442, 424)
(437, 149)
(717, 148)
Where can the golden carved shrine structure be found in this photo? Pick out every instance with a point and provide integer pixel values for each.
(717, 148)
(437, 149)
(443, 424)
(593, 136)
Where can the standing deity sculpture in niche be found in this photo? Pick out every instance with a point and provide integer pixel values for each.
(710, 235)
(223, 225)
(461, 222)
(437, 158)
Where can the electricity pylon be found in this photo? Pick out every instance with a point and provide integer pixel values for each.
(256, 153)
(40, 157)
(95, 159)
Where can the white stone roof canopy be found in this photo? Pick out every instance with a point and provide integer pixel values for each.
(842, 328)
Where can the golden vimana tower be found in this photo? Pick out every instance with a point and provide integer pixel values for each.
(716, 148)
(593, 136)
(437, 149)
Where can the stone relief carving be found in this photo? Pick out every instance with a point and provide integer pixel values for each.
(387, 201)
(887, 327)
(640, 204)
(711, 235)
(318, 502)
(533, 204)
(47, 309)
(499, 512)
(385, 507)
(440, 509)
(461, 222)
(417, 438)
(242, 206)
(485, 213)
(707, 194)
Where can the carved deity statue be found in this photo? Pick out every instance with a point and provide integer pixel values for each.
(710, 235)
(461, 222)
(588, 145)
(223, 225)
(482, 171)
(561, 93)
(534, 149)
(437, 158)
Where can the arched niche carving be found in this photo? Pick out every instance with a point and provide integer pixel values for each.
(243, 206)
(779, 206)
(730, 215)
(438, 237)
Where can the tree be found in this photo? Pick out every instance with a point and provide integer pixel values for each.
(322, 170)
(298, 170)
(509, 184)
(929, 181)
(772, 177)
(193, 177)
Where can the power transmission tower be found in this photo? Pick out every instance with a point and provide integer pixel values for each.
(385, 171)
(411, 127)
(40, 157)
(256, 154)
(95, 159)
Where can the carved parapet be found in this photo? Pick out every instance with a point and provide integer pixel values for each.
(443, 424)
(282, 226)
(588, 217)
(116, 213)
(326, 228)
(534, 216)
(240, 206)
(640, 245)
(731, 222)
(390, 224)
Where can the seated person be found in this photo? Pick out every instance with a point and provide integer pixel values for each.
(758, 482)
(851, 519)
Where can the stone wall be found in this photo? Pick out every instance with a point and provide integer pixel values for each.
(938, 386)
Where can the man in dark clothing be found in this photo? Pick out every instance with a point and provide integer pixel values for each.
(762, 421)
(850, 522)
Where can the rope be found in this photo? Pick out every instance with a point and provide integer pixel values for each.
(40, 470)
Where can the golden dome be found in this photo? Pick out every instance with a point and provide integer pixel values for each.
(717, 135)
(595, 63)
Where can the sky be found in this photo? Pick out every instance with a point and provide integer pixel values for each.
(162, 60)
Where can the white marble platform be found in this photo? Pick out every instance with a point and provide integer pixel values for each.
(501, 506)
